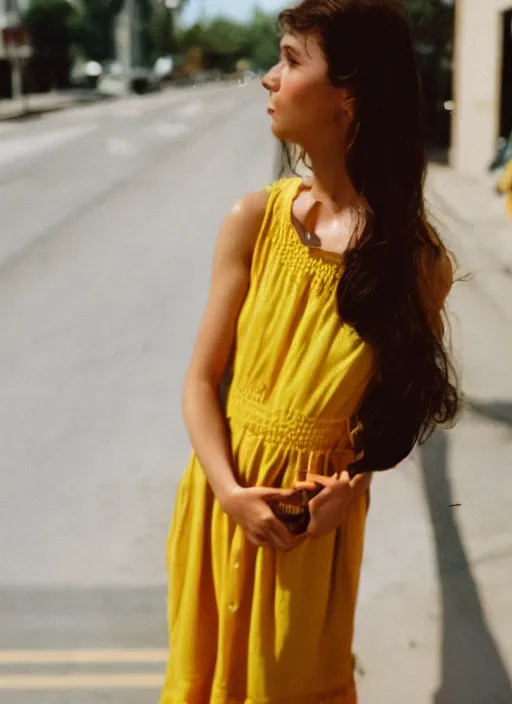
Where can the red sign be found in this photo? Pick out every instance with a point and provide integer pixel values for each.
(15, 36)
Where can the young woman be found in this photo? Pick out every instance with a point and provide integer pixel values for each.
(330, 294)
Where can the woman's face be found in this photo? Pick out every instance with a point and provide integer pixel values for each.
(302, 102)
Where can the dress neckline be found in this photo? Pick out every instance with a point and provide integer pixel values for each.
(306, 239)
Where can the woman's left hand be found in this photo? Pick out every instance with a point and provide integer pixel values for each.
(328, 509)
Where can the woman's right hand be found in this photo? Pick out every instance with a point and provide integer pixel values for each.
(250, 509)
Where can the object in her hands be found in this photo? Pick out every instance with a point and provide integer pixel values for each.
(294, 511)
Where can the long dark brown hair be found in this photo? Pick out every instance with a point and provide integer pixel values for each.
(369, 49)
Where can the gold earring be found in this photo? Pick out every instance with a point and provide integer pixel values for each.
(353, 140)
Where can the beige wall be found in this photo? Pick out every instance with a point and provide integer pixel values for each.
(477, 83)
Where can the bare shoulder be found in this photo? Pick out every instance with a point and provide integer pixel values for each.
(242, 223)
(249, 210)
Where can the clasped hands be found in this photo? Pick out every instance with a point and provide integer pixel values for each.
(251, 508)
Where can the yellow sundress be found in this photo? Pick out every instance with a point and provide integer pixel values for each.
(249, 625)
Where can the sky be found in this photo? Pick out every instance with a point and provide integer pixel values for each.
(236, 9)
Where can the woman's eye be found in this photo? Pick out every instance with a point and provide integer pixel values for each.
(288, 59)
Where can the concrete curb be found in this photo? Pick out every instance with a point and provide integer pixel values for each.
(36, 105)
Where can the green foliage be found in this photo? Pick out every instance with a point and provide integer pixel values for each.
(162, 31)
(433, 23)
(95, 33)
(225, 43)
(52, 25)
(263, 40)
(57, 25)
(224, 37)
(221, 42)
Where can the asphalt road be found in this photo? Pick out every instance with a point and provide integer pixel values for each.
(109, 214)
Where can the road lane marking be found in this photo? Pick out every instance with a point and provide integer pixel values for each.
(120, 147)
(191, 109)
(65, 657)
(170, 130)
(5, 129)
(92, 681)
(23, 147)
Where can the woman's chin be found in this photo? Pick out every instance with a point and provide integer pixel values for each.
(281, 134)
(275, 130)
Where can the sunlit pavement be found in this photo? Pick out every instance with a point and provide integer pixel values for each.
(109, 214)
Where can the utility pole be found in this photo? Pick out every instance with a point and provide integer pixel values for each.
(172, 7)
(128, 37)
(124, 41)
(16, 53)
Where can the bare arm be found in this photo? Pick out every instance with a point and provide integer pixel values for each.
(229, 285)
(248, 507)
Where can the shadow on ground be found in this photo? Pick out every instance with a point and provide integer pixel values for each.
(25, 116)
(472, 670)
(82, 618)
(497, 411)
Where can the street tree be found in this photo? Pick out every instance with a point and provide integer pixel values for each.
(263, 40)
(433, 25)
(95, 32)
(52, 26)
(162, 30)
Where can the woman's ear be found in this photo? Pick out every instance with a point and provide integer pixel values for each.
(348, 106)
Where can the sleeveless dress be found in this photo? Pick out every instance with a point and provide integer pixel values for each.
(249, 625)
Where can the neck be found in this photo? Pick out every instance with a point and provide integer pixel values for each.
(331, 184)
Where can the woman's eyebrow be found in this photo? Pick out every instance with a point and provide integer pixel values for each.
(290, 48)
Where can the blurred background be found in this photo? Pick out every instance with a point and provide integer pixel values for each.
(127, 129)
(58, 44)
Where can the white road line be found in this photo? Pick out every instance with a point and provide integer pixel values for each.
(170, 130)
(76, 682)
(120, 147)
(66, 657)
(191, 109)
(226, 105)
(23, 147)
(129, 110)
(6, 128)
(136, 107)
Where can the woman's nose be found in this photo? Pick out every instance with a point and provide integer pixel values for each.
(270, 80)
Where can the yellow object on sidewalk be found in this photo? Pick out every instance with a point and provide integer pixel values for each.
(504, 185)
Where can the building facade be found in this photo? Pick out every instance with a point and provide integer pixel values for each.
(10, 13)
(482, 82)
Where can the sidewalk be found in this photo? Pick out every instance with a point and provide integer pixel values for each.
(473, 203)
(434, 621)
(46, 102)
(473, 222)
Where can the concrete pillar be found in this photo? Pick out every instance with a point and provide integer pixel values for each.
(477, 83)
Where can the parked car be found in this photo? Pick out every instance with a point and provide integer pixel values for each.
(86, 74)
(114, 80)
